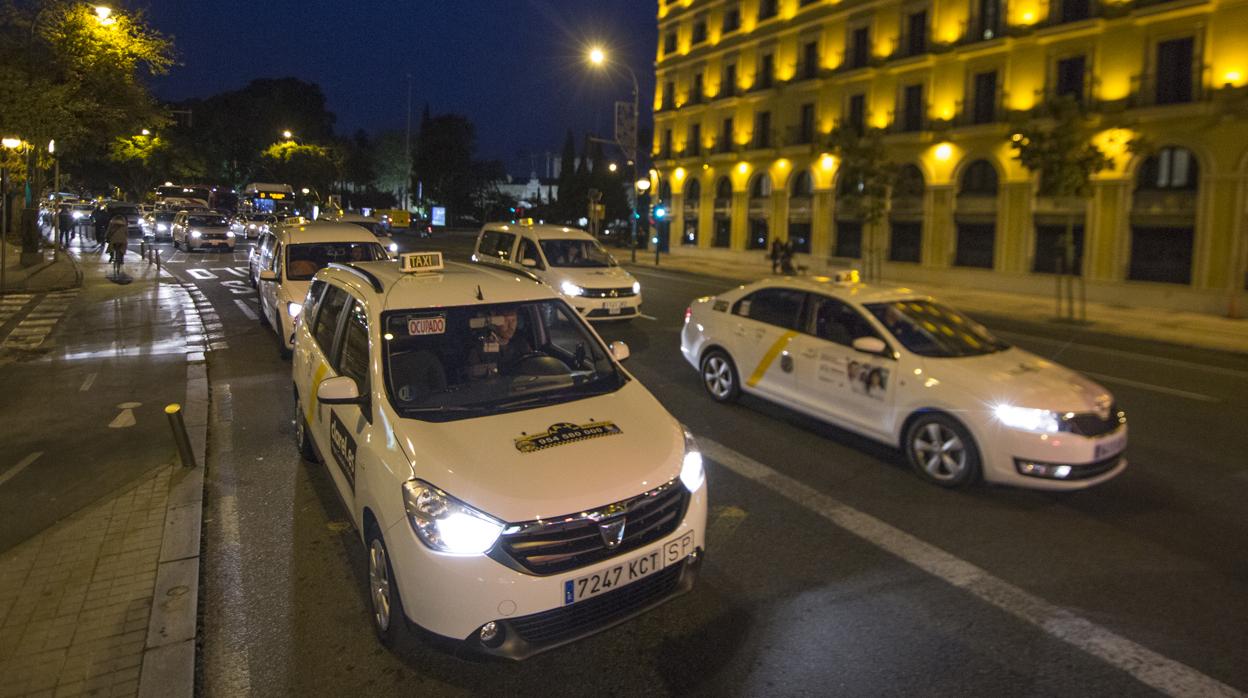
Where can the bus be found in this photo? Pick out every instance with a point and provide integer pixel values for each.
(170, 195)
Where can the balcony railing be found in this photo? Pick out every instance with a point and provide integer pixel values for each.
(1146, 91)
(799, 135)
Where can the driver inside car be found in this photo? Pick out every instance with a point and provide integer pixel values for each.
(502, 347)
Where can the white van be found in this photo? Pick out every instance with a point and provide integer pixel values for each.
(288, 262)
(568, 260)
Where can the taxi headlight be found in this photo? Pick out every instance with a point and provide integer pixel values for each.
(1027, 419)
(196, 234)
(692, 471)
(294, 309)
(636, 287)
(76, 215)
(394, 247)
(446, 524)
(571, 289)
(162, 226)
(229, 233)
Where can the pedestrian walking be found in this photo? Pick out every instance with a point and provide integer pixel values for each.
(777, 248)
(64, 224)
(100, 221)
(786, 258)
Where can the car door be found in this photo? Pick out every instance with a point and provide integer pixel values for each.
(268, 289)
(175, 229)
(321, 360)
(836, 381)
(346, 425)
(762, 326)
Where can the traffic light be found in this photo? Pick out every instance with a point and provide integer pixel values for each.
(660, 212)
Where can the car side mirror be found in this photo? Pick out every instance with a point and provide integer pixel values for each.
(339, 390)
(619, 350)
(528, 262)
(268, 275)
(870, 345)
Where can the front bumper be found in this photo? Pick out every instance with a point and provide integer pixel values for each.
(1061, 461)
(620, 308)
(453, 597)
(202, 244)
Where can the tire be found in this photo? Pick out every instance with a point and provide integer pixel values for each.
(942, 451)
(385, 606)
(303, 440)
(720, 377)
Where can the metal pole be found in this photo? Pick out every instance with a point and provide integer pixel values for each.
(180, 438)
(407, 183)
(636, 154)
(4, 224)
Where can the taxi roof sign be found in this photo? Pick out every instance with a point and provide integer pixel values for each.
(845, 277)
(418, 262)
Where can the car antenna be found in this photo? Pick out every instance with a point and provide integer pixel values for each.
(480, 296)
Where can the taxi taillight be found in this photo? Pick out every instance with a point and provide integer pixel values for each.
(688, 313)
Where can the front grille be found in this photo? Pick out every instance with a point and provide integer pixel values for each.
(581, 618)
(1090, 424)
(622, 292)
(569, 542)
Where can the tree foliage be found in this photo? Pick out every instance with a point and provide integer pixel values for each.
(866, 175)
(301, 164)
(1055, 143)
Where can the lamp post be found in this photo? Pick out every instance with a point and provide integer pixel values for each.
(8, 144)
(598, 58)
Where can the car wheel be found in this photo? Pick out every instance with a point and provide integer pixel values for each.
(389, 622)
(302, 438)
(719, 376)
(942, 451)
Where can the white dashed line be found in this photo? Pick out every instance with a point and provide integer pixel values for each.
(1150, 668)
(647, 317)
(246, 309)
(21, 465)
(87, 382)
(1149, 386)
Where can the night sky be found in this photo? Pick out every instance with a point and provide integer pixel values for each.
(516, 68)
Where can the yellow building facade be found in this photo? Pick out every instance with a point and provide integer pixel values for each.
(748, 91)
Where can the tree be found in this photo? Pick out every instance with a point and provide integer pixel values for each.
(444, 161)
(390, 163)
(866, 177)
(303, 165)
(70, 75)
(1055, 143)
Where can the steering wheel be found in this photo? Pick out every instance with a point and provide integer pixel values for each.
(538, 363)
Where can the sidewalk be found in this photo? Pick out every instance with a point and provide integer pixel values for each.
(1153, 324)
(57, 272)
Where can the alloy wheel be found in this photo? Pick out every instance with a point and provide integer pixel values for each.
(717, 376)
(379, 584)
(939, 451)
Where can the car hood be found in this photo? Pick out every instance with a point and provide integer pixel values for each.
(295, 290)
(496, 464)
(594, 277)
(1021, 379)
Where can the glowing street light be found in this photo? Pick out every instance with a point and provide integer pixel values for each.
(11, 143)
(287, 134)
(643, 185)
(612, 167)
(104, 15)
(145, 132)
(598, 58)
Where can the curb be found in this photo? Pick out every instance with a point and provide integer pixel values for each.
(168, 668)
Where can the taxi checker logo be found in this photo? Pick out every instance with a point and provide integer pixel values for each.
(564, 433)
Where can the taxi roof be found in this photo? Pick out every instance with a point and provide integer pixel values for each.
(324, 231)
(856, 292)
(541, 231)
(456, 284)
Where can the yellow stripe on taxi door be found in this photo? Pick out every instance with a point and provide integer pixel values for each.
(316, 384)
(770, 357)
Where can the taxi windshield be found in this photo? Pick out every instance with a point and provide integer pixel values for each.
(304, 260)
(931, 329)
(444, 364)
(576, 253)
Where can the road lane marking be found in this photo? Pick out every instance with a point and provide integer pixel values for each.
(1133, 354)
(87, 383)
(126, 418)
(242, 305)
(21, 465)
(647, 317)
(1149, 386)
(1150, 668)
(201, 274)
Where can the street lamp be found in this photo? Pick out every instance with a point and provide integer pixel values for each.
(145, 132)
(103, 14)
(288, 135)
(9, 144)
(598, 58)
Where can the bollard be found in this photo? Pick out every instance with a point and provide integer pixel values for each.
(180, 437)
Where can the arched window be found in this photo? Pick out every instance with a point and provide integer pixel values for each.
(760, 188)
(693, 199)
(722, 227)
(665, 191)
(980, 178)
(693, 192)
(723, 189)
(1163, 217)
(909, 182)
(1170, 168)
(803, 184)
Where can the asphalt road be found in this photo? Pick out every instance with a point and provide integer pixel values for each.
(831, 569)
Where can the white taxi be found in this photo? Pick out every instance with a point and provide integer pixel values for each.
(568, 260)
(515, 487)
(902, 368)
(287, 262)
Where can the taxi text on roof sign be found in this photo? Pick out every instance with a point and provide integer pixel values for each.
(414, 262)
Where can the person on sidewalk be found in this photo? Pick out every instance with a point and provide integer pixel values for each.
(777, 249)
(64, 224)
(100, 221)
(786, 258)
(118, 237)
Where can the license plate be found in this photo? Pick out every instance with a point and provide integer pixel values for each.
(626, 572)
(1110, 446)
(613, 307)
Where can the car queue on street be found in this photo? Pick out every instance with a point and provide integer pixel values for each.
(516, 488)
